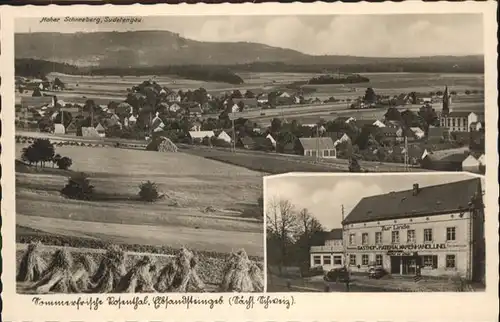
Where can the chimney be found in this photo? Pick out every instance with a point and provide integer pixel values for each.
(416, 189)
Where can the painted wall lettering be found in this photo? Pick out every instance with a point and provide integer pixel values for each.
(403, 247)
(395, 227)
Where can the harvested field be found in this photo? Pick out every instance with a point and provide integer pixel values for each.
(113, 269)
(179, 219)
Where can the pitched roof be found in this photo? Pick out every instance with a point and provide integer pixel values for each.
(201, 134)
(333, 234)
(449, 155)
(363, 123)
(322, 143)
(431, 200)
(99, 128)
(195, 109)
(247, 140)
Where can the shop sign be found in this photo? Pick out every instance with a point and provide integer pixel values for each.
(395, 227)
(403, 247)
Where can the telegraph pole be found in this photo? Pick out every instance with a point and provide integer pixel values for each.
(317, 142)
(407, 166)
(234, 136)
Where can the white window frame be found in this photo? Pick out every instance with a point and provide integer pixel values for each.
(426, 240)
(451, 231)
(453, 258)
(363, 241)
(378, 241)
(315, 259)
(379, 259)
(408, 239)
(352, 260)
(337, 259)
(327, 258)
(428, 261)
(393, 234)
(352, 239)
(365, 258)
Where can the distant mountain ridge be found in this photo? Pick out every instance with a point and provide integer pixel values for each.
(137, 49)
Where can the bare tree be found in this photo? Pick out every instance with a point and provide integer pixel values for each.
(308, 223)
(282, 225)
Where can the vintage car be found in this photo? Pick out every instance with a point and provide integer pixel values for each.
(340, 274)
(376, 272)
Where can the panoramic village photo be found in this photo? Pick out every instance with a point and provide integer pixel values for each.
(142, 142)
(375, 233)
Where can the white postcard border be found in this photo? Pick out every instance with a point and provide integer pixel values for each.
(481, 306)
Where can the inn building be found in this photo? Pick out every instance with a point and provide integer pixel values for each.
(331, 254)
(429, 231)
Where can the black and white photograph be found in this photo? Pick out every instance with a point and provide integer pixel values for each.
(151, 135)
(375, 233)
(235, 159)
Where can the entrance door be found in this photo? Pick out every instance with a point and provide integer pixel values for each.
(409, 265)
(395, 265)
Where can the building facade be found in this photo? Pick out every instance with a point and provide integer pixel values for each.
(432, 231)
(331, 254)
(460, 121)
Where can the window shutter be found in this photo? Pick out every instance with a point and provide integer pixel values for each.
(434, 261)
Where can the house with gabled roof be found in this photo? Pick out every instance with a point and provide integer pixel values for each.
(322, 147)
(100, 130)
(471, 164)
(224, 136)
(71, 128)
(270, 138)
(198, 136)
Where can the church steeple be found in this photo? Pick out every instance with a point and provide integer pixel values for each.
(446, 102)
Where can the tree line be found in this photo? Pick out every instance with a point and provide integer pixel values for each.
(290, 234)
(40, 68)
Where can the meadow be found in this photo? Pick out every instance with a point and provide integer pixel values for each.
(275, 163)
(104, 89)
(209, 205)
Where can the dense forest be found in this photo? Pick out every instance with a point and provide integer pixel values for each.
(339, 79)
(40, 68)
(395, 66)
(228, 74)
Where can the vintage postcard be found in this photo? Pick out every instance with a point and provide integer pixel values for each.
(251, 161)
(376, 232)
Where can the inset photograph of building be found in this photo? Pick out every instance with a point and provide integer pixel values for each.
(375, 233)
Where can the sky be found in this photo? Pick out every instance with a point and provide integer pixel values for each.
(396, 35)
(324, 195)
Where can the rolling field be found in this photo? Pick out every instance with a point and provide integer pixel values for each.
(396, 83)
(275, 163)
(192, 185)
(104, 89)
